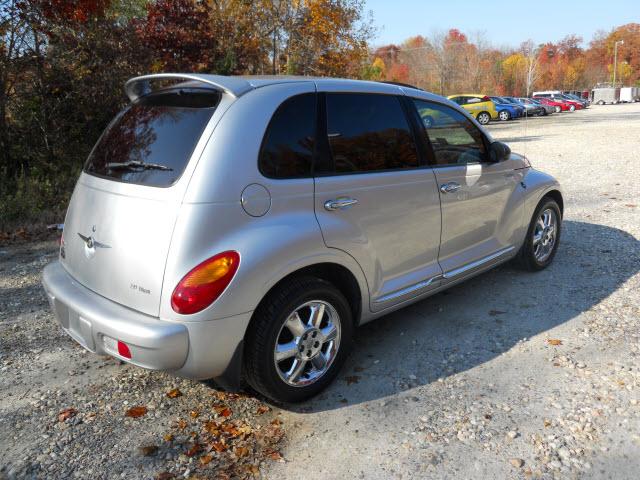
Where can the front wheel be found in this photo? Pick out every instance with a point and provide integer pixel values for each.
(558, 109)
(504, 115)
(298, 339)
(483, 118)
(572, 108)
(543, 236)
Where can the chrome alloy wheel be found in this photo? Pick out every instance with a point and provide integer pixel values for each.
(544, 235)
(307, 343)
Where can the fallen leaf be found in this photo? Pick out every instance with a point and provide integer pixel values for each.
(165, 476)
(168, 437)
(230, 429)
(352, 379)
(218, 446)
(276, 421)
(241, 451)
(194, 450)
(517, 462)
(175, 393)
(273, 455)
(630, 205)
(547, 422)
(67, 413)
(205, 459)
(262, 409)
(194, 413)
(254, 469)
(554, 341)
(223, 411)
(212, 427)
(135, 412)
(493, 313)
(148, 450)
(182, 424)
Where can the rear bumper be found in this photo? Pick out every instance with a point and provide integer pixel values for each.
(88, 318)
(190, 349)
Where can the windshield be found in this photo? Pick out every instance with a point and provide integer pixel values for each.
(151, 141)
(498, 100)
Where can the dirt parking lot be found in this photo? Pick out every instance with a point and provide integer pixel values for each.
(510, 375)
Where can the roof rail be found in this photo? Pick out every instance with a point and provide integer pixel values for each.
(400, 84)
(140, 86)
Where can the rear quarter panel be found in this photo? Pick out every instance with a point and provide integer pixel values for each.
(212, 218)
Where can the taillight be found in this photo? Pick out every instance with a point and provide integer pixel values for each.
(205, 283)
(486, 99)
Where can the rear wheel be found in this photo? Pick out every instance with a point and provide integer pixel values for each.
(504, 115)
(572, 108)
(543, 236)
(483, 118)
(298, 339)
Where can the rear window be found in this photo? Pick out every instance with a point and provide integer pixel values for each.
(151, 141)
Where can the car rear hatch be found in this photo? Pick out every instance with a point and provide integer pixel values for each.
(121, 216)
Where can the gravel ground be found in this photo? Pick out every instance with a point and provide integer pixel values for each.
(510, 375)
(66, 413)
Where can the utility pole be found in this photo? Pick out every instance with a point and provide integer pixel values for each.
(615, 60)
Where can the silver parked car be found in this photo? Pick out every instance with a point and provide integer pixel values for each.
(243, 226)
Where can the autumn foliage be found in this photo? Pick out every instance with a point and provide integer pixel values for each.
(63, 64)
(451, 62)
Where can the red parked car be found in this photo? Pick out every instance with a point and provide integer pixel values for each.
(559, 106)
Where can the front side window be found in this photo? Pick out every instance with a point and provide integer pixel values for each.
(288, 146)
(454, 139)
(369, 133)
(151, 141)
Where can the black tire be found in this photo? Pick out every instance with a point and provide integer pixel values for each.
(526, 256)
(266, 325)
(483, 118)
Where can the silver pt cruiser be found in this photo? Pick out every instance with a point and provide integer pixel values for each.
(228, 227)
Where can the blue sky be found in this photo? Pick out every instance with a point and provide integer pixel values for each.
(505, 23)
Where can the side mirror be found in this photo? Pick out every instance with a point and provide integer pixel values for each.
(499, 152)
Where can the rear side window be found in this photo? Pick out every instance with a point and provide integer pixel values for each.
(369, 133)
(151, 141)
(288, 145)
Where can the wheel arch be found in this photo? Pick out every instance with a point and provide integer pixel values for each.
(336, 274)
(557, 196)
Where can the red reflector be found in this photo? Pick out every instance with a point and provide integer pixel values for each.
(123, 349)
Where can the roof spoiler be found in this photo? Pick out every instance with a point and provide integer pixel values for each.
(140, 86)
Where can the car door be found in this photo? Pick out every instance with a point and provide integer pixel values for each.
(374, 200)
(482, 202)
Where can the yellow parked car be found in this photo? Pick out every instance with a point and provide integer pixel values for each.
(479, 106)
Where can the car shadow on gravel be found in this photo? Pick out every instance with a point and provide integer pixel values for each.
(476, 321)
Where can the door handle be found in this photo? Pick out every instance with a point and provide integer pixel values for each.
(450, 187)
(339, 203)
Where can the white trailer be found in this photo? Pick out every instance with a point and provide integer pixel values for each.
(603, 95)
(626, 94)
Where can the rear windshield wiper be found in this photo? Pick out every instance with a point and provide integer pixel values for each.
(134, 164)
